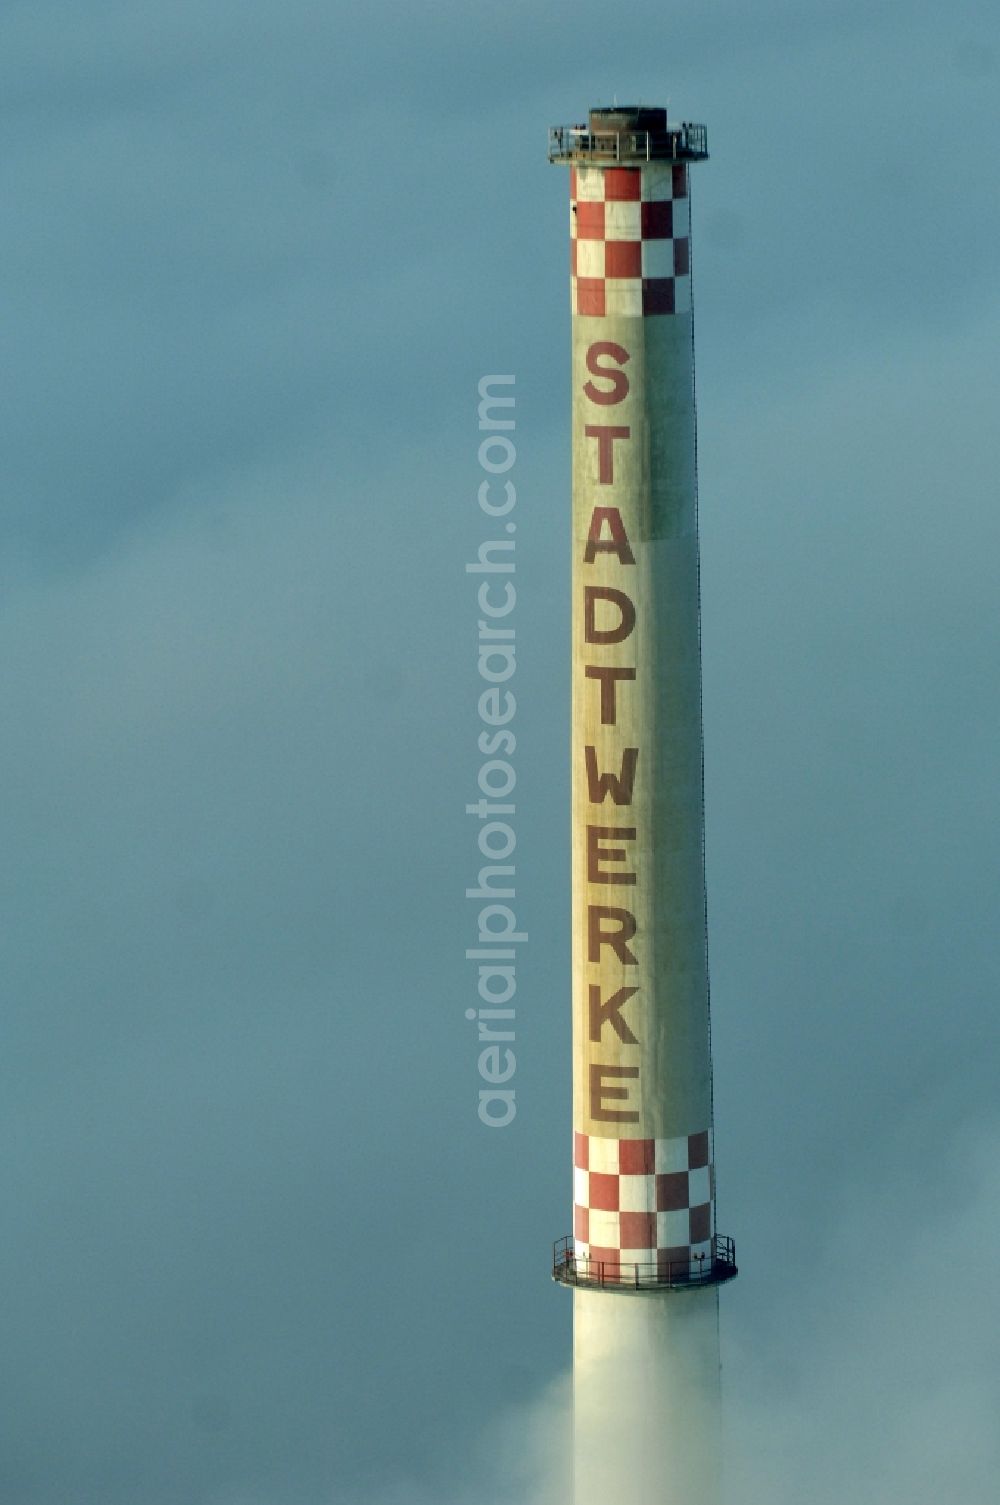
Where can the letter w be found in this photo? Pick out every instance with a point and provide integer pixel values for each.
(600, 785)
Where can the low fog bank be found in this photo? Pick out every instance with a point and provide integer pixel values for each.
(879, 1384)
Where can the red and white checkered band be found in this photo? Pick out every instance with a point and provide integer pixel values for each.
(643, 1201)
(630, 240)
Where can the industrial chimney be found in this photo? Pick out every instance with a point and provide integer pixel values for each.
(645, 1259)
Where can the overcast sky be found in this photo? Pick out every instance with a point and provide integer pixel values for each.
(255, 258)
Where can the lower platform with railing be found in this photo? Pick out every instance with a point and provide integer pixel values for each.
(572, 1269)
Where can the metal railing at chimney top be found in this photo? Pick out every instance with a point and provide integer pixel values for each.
(679, 143)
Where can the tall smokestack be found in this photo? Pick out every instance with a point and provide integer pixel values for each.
(645, 1259)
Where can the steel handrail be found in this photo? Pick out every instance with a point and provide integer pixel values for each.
(570, 1268)
(682, 142)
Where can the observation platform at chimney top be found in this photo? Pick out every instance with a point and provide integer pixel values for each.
(572, 1269)
(628, 134)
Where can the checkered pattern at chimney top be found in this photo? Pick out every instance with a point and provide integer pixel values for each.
(630, 244)
(643, 1201)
